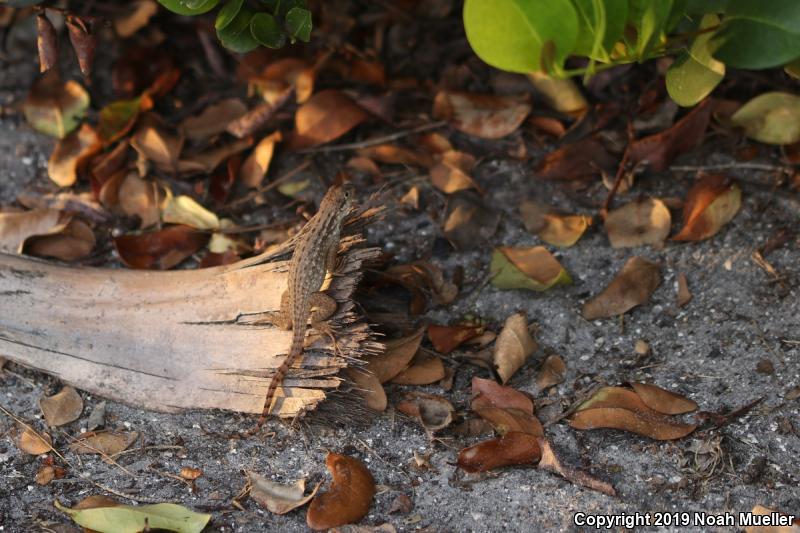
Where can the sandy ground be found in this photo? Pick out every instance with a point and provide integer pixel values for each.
(708, 350)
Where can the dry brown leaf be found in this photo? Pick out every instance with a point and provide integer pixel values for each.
(514, 345)
(281, 76)
(469, 223)
(254, 169)
(368, 384)
(160, 250)
(393, 154)
(553, 372)
(158, 142)
(507, 420)
(279, 498)
(349, 497)
(513, 448)
(17, 226)
(638, 223)
(683, 296)
(533, 268)
(660, 149)
(364, 165)
(326, 116)
(71, 154)
(411, 198)
(482, 115)
(663, 401)
(206, 161)
(433, 412)
(711, 203)
(550, 462)
(401, 504)
(141, 198)
(213, 120)
(583, 159)
(632, 286)
(34, 443)
(777, 522)
(451, 172)
(656, 427)
(47, 42)
(425, 369)
(54, 107)
(396, 357)
(105, 443)
(433, 143)
(135, 18)
(489, 393)
(445, 339)
(616, 397)
(75, 241)
(424, 281)
(45, 475)
(551, 227)
(190, 474)
(62, 408)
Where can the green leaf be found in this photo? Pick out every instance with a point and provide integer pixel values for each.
(600, 26)
(695, 73)
(514, 35)
(265, 30)
(127, 519)
(298, 21)
(649, 18)
(772, 118)
(758, 35)
(117, 118)
(227, 14)
(189, 7)
(527, 268)
(701, 7)
(236, 35)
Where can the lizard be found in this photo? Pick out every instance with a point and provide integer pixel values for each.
(314, 254)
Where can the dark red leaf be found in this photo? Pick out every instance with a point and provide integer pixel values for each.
(160, 250)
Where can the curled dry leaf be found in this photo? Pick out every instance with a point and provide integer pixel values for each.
(411, 198)
(62, 408)
(393, 154)
(54, 107)
(651, 424)
(106, 443)
(207, 160)
(639, 223)
(17, 226)
(213, 120)
(71, 154)
(425, 369)
(279, 498)
(159, 250)
(527, 268)
(482, 115)
(445, 339)
(489, 393)
(711, 203)
(255, 167)
(552, 463)
(513, 346)
(553, 372)
(396, 357)
(683, 296)
(34, 443)
(141, 198)
(663, 401)
(118, 118)
(324, 117)
(157, 142)
(469, 223)
(778, 522)
(507, 420)
(368, 384)
(111, 516)
(551, 227)
(451, 172)
(46, 42)
(185, 210)
(75, 241)
(349, 498)
(281, 76)
(513, 448)
(660, 149)
(190, 473)
(632, 286)
(434, 412)
(579, 160)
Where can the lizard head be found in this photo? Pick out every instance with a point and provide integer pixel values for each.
(339, 198)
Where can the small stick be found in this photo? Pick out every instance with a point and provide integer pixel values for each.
(375, 140)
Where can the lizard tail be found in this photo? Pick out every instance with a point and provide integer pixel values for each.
(298, 338)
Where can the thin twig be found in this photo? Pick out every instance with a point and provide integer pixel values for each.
(375, 140)
(728, 166)
(269, 186)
